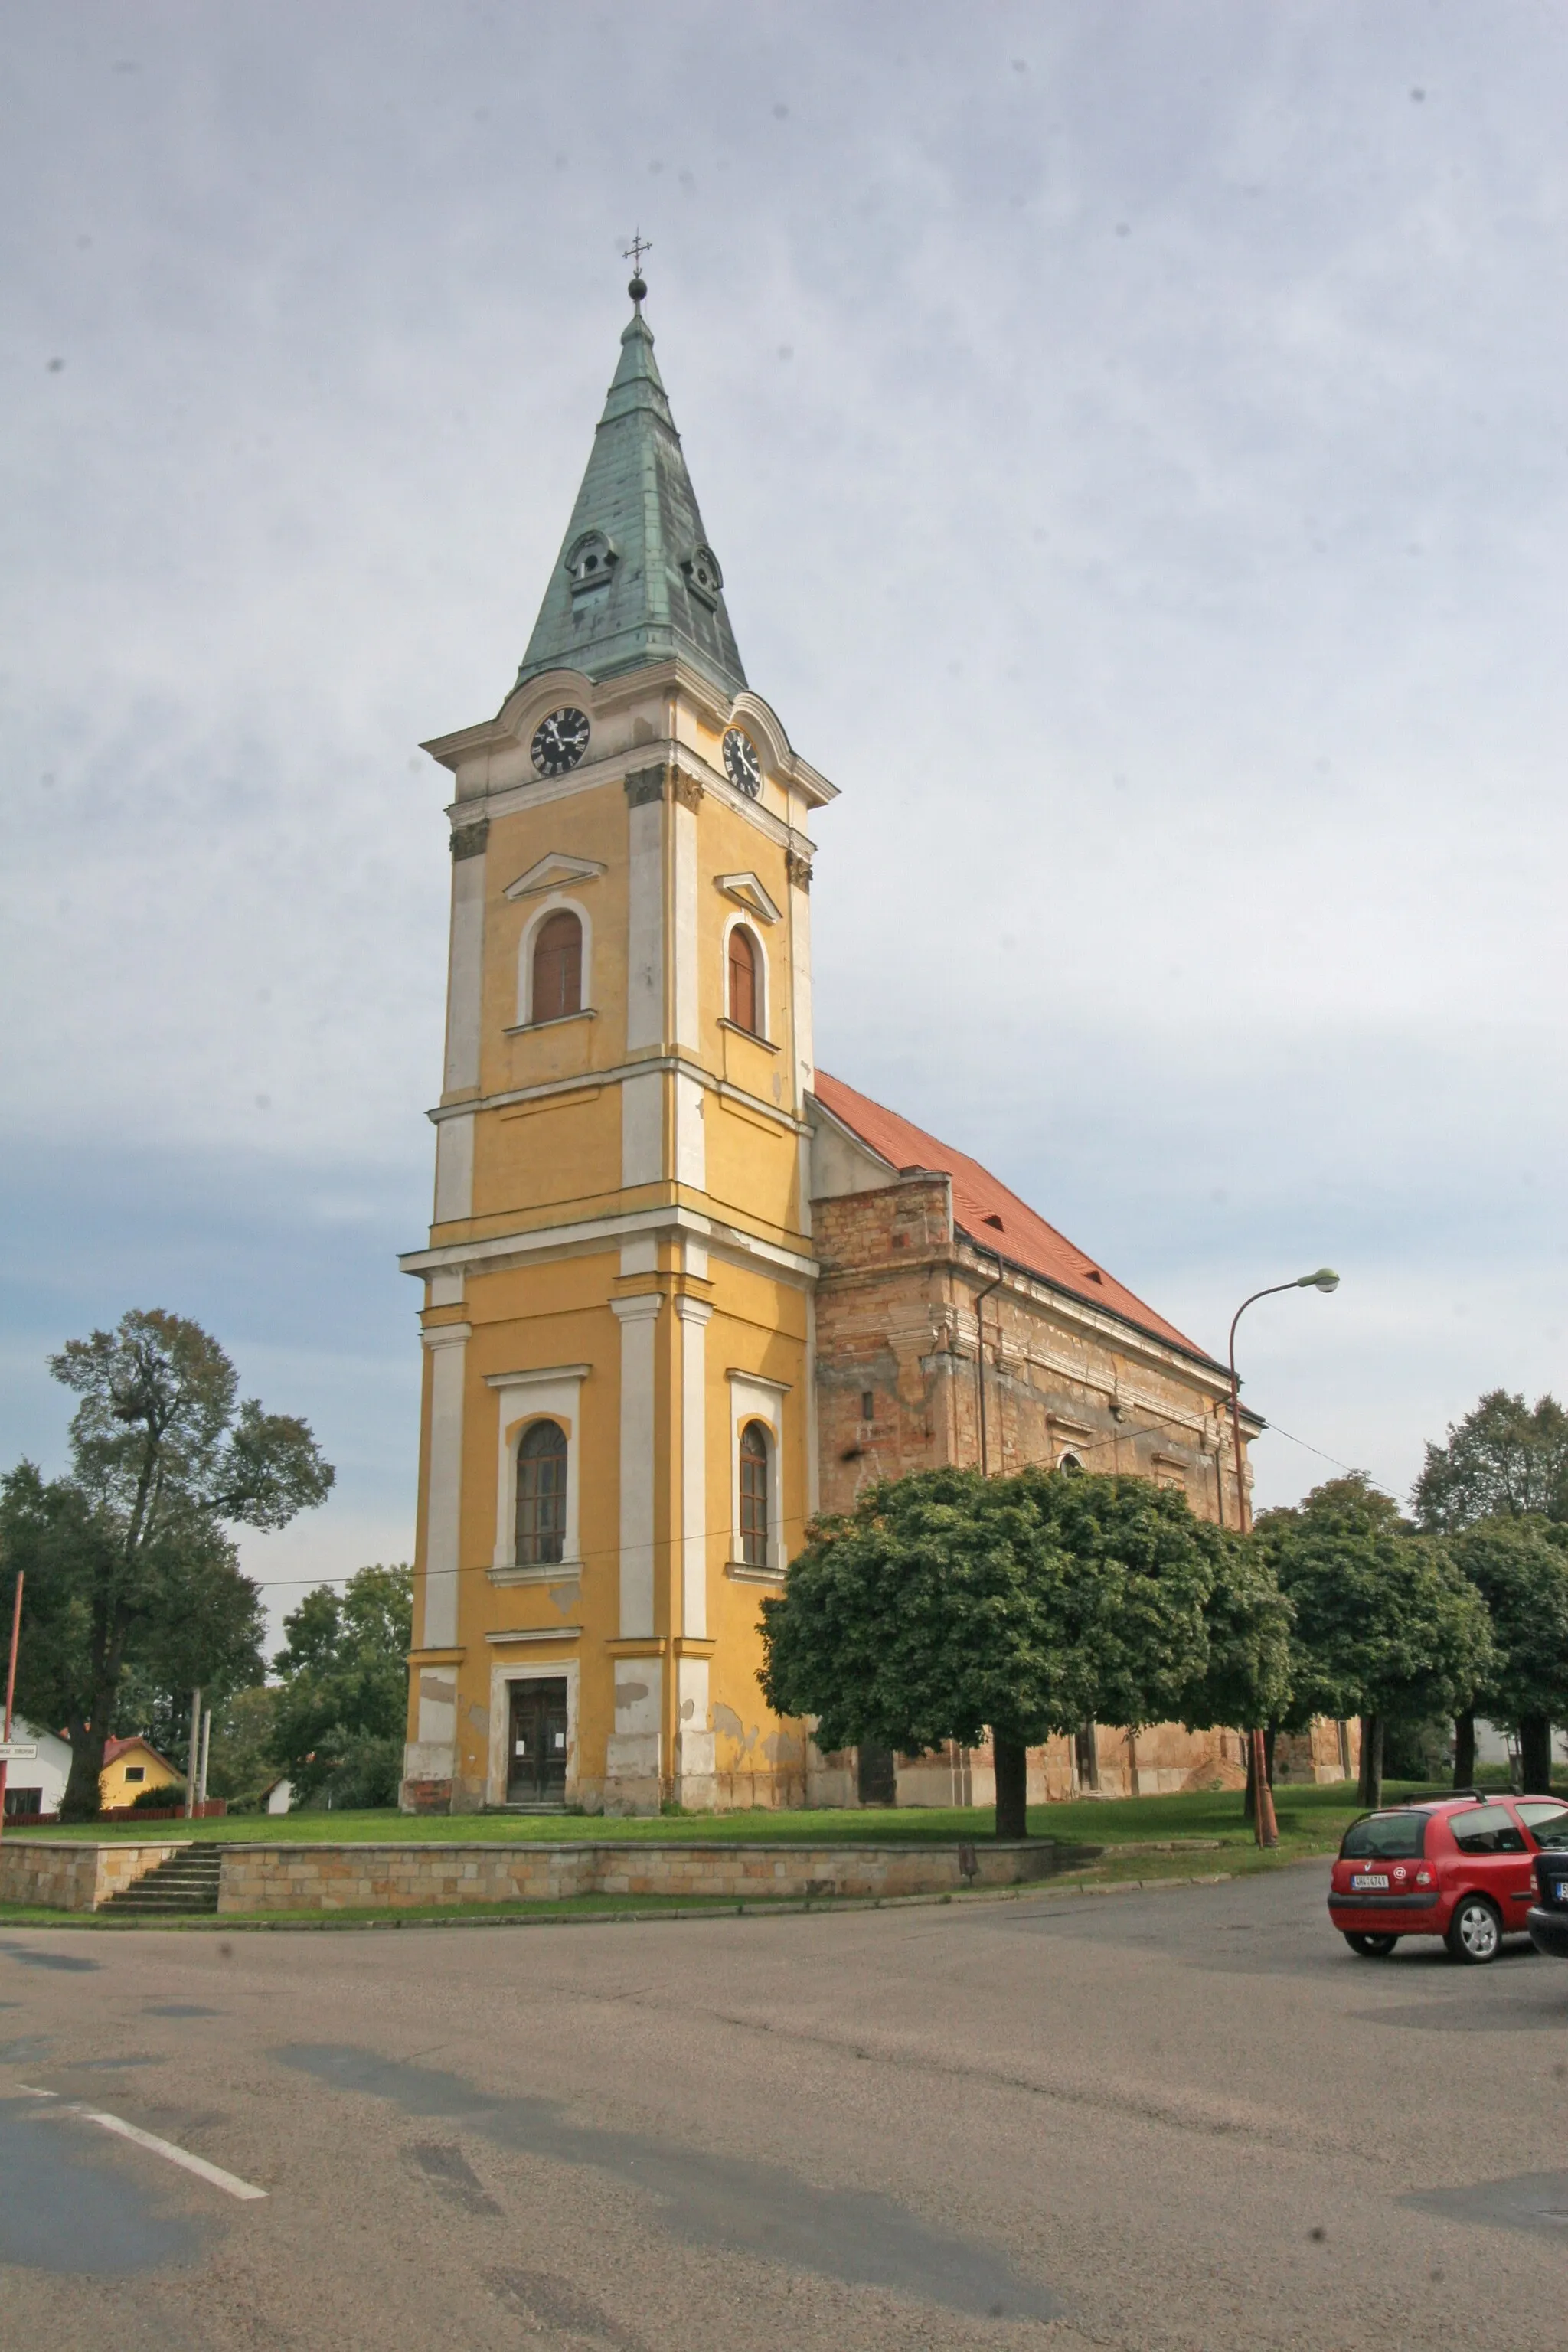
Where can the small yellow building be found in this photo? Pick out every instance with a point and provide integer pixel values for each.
(129, 1766)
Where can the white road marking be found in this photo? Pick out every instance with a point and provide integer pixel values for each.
(228, 2182)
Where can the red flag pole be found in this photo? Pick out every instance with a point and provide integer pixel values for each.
(10, 1694)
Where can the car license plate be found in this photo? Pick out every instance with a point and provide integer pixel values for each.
(1371, 1878)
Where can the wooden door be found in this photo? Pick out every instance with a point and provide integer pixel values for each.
(536, 1766)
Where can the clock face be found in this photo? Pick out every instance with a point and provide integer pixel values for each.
(742, 763)
(560, 741)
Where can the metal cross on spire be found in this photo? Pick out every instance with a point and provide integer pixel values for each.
(634, 254)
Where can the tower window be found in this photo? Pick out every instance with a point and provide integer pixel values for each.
(743, 991)
(868, 1405)
(558, 968)
(754, 1495)
(542, 1495)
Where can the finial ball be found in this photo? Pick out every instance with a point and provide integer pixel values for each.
(637, 290)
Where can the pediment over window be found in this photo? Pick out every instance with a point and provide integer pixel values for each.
(748, 892)
(555, 872)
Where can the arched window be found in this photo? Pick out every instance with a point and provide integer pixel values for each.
(743, 960)
(754, 1495)
(1069, 1461)
(542, 1495)
(557, 968)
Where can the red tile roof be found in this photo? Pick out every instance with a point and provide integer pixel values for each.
(993, 1216)
(116, 1748)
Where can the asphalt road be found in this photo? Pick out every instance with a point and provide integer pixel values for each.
(1187, 2118)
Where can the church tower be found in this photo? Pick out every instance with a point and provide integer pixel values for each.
(618, 1443)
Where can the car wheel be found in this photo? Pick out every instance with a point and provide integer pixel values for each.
(1370, 1948)
(1475, 1931)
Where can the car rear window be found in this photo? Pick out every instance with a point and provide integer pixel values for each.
(1491, 1828)
(1388, 1836)
(1548, 1825)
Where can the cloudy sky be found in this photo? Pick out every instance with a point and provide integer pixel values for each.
(1134, 434)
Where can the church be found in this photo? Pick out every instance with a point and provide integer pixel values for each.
(683, 1289)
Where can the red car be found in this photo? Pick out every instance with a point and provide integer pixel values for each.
(1459, 1867)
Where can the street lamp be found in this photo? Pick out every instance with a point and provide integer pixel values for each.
(1325, 1279)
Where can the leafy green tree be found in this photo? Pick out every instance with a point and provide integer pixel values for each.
(1385, 1627)
(1246, 1683)
(341, 1710)
(948, 1602)
(1520, 1566)
(1505, 1460)
(128, 1561)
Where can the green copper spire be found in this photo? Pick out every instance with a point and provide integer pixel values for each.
(637, 579)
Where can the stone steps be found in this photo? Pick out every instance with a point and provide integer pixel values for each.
(183, 1885)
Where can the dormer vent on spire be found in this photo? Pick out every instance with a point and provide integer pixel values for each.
(590, 560)
(703, 576)
(637, 582)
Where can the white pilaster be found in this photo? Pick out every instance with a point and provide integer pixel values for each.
(694, 1316)
(637, 1318)
(465, 972)
(642, 1128)
(644, 926)
(454, 1168)
(448, 1344)
(695, 1787)
(690, 1134)
(800, 986)
(684, 956)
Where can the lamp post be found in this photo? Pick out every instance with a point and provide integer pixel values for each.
(1266, 1827)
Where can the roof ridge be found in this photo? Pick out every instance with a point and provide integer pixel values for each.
(980, 1212)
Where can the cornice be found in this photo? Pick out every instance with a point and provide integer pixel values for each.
(591, 1081)
(498, 1253)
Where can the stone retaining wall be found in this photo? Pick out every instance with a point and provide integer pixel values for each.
(69, 1873)
(73, 1876)
(403, 1877)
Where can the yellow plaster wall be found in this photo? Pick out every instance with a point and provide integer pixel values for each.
(114, 1788)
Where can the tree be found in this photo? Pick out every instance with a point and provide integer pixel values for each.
(339, 1715)
(127, 1557)
(1505, 1460)
(1522, 1574)
(948, 1602)
(1246, 1683)
(1385, 1624)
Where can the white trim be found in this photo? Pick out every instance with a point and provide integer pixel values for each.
(665, 1062)
(746, 921)
(553, 872)
(536, 1633)
(748, 893)
(752, 1398)
(503, 1674)
(499, 1251)
(557, 903)
(521, 1398)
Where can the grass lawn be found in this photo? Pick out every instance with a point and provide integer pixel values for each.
(1311, 1821)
